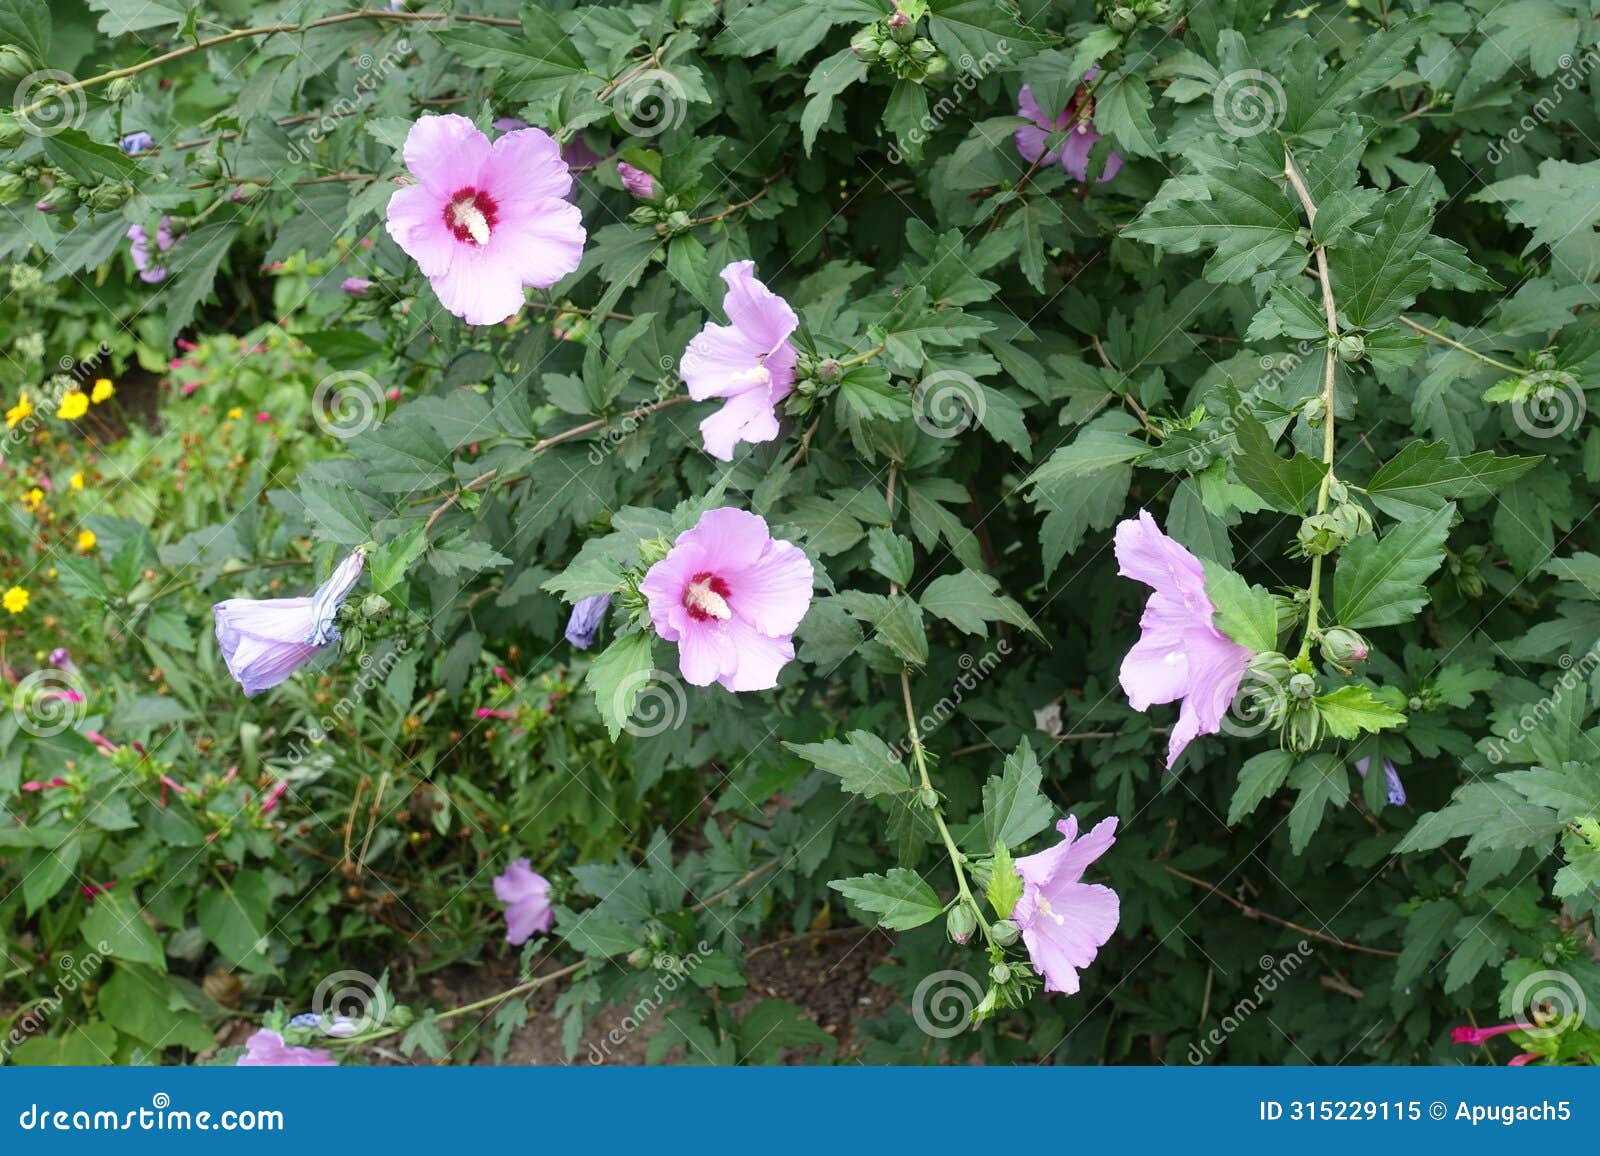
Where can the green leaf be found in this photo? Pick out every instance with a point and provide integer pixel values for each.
(392, 559)
(1122, 111)
(1015, 808)
(969, 600)
(1425, 476)
(1378, 277)
(336, 511)
(87, 161)
(1105, 442)
(124, 16)
(1242, 214)
(1245, 613)
(617, 676)
(26, 23)
(1423, 934)
(973, 30)
(235, 918)
(139, 1004)
(900, 899)
(826, 82)
(1005, 885)
(891, 554)
(1379, 582)
(864, 764)
(115, 927)
(1352, 710)
(1320, 780)
(1260, 777)
(1287, 485)
(192, 264)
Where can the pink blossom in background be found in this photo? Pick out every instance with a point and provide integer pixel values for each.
(1523, 1060)
(579, 156)
(750, 363)
(265, 640)
(266, 1049)
(1466, 1034)
(1065, 921)
(731, 596)
(526, 895)
(139, 249)
(484, 220)
(1180, 654)
(355, 286)
(638, 182)
(1073, 151)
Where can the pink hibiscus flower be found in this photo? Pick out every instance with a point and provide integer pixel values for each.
(638, 182)
(266, 1049)
(485, 220)
(526, 895)
(1064, 921)
(731, 596)
(1180, 654)
(750, 363)
(1073, 151)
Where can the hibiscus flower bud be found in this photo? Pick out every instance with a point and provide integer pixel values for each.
(107, 197)
(1123, 19)
(1342, 646)
(1350, 348)
(10, 131)
(961, 923)
(121, 89)
(865, 42)
(1004, 932)
(14, 63)
(11, 187)
(902, 27)
(1000, 973)
(928, 797)
(1314, 410)
(1304, 729)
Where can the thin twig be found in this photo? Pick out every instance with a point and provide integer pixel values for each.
(1256, 913)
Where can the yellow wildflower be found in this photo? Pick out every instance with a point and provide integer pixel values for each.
(235, 413)
(76, 481)
(74, 404)
(19, 412)
(85, 541)
(103, 390)
(31, 500)
(15, 600)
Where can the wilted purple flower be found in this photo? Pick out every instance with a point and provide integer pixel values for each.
(579, 156)
(1077, 119)
(638, 182)
(355, 286)
(1180, 654)
(266, 1049)
(61, 659)
(135, 143)
(265, 640)
(586, 618)
(526, 895)
(335, 1027)
(1065, 921)
(1397, 789)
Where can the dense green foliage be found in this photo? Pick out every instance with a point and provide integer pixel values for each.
(1332, 324)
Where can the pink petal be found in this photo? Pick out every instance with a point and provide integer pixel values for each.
(478, 288)
(1147, 555)
(415, 219)
(773, 593)
(1088, 915)
(1216, 667)
(745, 417)
(524, 168)
(718, 362)
(541, 244)
(756, 311)
(1155, 670)
(446, 153)
(758, 659)
(728, 539)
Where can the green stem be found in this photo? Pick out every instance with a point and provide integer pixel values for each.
(1330, 315)
(862, 358)
(1454, 344)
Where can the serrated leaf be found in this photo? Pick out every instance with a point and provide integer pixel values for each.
(863, 763)
(1015, 808)
(969, 601)
(1352, 710)
(1378, 582)
(900, 899)
(1259, 778)
(617, 676)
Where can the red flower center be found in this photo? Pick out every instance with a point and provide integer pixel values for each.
(471, 215)
(706, 597)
